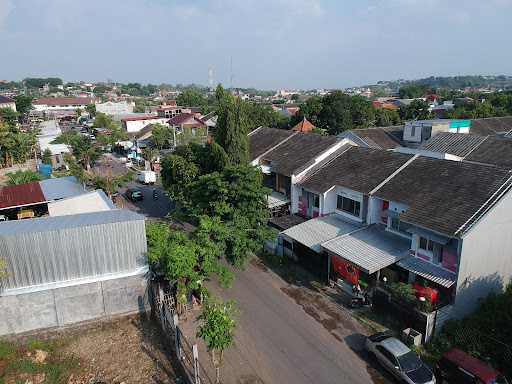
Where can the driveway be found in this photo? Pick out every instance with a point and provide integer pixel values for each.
(291, 334)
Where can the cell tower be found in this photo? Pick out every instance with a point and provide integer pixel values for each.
(211, 81)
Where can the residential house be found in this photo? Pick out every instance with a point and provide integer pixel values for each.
(288, 161)
(440, 225)
(6, 102)
(456, 216)
(136, 123)
(375, 137)
(336, 195)
(55, 104)
(115, 108)
(303, 126)
(48, 131)
(418, 131)
(189, 125)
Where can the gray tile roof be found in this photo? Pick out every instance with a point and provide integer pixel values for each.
(61, 188)
(358, 168)
(490, 125)
(429, 271)
(263, 139)
(46, 224)
(297, 153)
(376, 138)
(493, 150)
(371, 248)
(457, 144)
(443, 195)
(284, 222)
(314, 232)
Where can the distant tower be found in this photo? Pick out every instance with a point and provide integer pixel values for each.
(231, 74)
(211, 81)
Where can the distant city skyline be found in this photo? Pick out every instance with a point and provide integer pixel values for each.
(273, 44)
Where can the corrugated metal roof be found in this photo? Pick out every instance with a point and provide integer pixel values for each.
(66, 249)
(276, 199)
(429, 271)
(47, 224)
(95, 201)
(61, 188)
(18, 195)
(314, 232)
(371, 248)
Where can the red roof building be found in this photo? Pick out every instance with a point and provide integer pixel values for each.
(21, 195)
(304, 126)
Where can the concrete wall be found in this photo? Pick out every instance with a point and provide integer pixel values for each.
(486, 262)
(72, 304)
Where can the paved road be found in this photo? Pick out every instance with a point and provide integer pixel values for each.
(148, 207)
(286, 334)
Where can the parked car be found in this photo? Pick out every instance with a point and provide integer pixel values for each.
(457, 366)
(399, 360)
(3, 218)
(134, 194)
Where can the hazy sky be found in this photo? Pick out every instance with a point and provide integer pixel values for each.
(273, 43)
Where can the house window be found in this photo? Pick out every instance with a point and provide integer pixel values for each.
(287, 244)
(347, 205)
(426, 244)
(316, 201)
(413, 131)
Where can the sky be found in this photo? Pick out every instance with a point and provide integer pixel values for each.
(271, 44)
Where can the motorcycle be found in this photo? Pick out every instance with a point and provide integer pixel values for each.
(155, 194)
(360, 301)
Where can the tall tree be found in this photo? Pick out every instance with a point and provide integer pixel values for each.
(161, 136)
(10, 117)
(46, 157)
(232, 129)
(341, 112)
(417, 110)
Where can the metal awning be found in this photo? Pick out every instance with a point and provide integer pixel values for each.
(429, 271)
(314, 232)
(370, 249)
(276, 199)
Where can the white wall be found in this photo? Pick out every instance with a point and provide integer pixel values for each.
(111, 108)
(486, 260)
(136, 125)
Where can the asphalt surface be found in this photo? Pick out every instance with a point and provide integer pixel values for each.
(284, 336)
(149, 207)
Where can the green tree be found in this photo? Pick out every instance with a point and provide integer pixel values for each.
(232, 129)
(23, 104)
(259, 115)
(191, 98)
(22, 177)
(310, 110)
(161, 136)
(341, 112)
(177, 174)
(84, 150)
(417, 110)
(91, 109)
(413, 91)
(10, 117)
(386, 117)
(46, 157)
(217, 329)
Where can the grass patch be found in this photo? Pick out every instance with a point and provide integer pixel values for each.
(7, 350)
(18, 362)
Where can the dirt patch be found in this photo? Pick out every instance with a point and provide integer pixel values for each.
(127, 350)
(259, 264)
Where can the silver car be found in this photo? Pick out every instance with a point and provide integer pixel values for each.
(398, 359)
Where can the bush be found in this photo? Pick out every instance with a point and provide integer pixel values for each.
(403, 291)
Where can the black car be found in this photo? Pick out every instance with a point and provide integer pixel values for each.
(134, 194)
